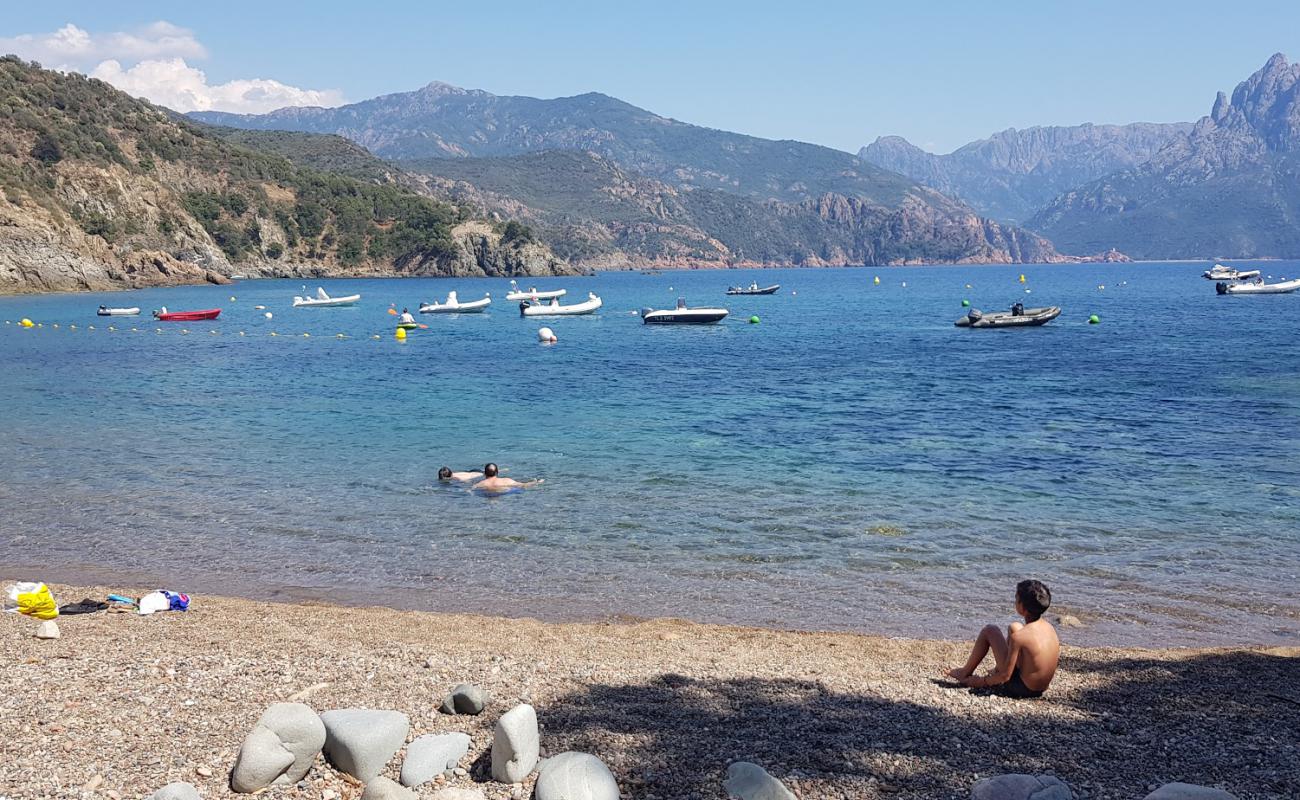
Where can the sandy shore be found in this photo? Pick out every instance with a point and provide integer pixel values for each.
(125, 704)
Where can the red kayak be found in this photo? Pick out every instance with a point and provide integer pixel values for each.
(187, 316)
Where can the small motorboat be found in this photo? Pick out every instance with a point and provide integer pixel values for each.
(454, 306)
(164, 315)
(105, 311)
(322, 300)
(754, 288)
(1221, 273)
(516, 294)
(682, 315)
(554, 309)
(1258, 287)
(1017, 317)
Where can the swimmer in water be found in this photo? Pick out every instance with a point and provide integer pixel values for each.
(447, 476)
(493, 482)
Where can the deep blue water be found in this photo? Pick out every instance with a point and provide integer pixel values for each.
(852, 462)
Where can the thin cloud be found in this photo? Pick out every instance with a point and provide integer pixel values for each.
(71, 47)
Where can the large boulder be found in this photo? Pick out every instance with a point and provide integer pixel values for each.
(280, 749)
(1021, 787)
(575, 776)
(432, 754)
(382, 788)
(360, 741)
(515, 744)
(177, 790)
(1188, 791)
(465, 699)
(751, 782)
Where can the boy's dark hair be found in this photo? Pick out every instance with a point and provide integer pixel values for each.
(444, 473)
(490, 471)
(1035, 597)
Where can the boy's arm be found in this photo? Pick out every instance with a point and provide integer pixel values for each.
(1001, 674)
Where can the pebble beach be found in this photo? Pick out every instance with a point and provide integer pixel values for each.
(122, 704)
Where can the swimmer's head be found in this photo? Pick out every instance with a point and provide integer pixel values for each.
(490, 471)
(444, 473)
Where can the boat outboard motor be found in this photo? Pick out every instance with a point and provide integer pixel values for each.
(975, 315)
(1018, 310)
(522, 305)
(646, 311)
(1221, 287)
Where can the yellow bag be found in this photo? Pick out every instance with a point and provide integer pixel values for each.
(34, 600)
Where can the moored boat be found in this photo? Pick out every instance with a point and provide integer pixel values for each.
(454, 306)
(1017, 317)
(516, 294)
(1259, 287)
(164, 315)
(323, 300)
(105, 311)
(683, 315)
(754, 288)
(1221, 273)
(554, 309)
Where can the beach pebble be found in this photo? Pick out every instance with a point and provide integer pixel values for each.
(177, 790)
(49, 629)
(431, 755)
(1021, 787)
(382, 788)
(1188, 791)
(1069, 621)
(751, 782)
(575, 776)
(465, 699)
(360, 741)
(458, 794)
(515, 744)
(280, 749)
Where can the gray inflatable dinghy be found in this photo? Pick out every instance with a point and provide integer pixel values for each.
(1017, 317)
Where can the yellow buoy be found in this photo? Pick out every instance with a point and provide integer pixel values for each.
(1022, 278)
(401, 334)
(876, 281)
(26, 323)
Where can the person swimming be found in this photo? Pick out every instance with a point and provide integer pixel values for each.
(493, 482)
(446, 475)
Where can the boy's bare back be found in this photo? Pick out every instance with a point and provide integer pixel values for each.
(1038, 652)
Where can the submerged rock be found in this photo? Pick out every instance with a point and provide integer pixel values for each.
(575, 776)
(431, 755)
(465, 699)
(177, 790)
(1188, 791)
(280, 749)
(360, 741)
(751, 782)
(1021, 787)
(515, 744)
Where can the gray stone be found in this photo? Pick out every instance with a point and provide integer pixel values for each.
(515, 744)
(49, 629)
(575, 776)
(384, 789)
(360, 741)
(459, 794)
(465, 699)
(751, 782)
(1021, 787)
(177, 790)
(1188, 791)
(432, 754)
(280, 749)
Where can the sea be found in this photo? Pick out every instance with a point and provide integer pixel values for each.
(837, 456)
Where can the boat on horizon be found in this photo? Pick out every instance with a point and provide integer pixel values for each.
(454, 306)
(516, 294)
(163, 315)
(1221, 273)
(554, 309)
(105, 311)
(683, 315)
(1017, 317)
(754, 288)
(323, 300)
(1259, 287)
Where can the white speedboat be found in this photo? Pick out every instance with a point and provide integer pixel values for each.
(516, 294)
(682, 315)
(322, 300)
(454, 306)
(1259, 287)
(554, 309)
(105, 311)
(1221, 273)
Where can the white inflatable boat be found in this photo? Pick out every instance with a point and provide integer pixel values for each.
(1285, 287)
(454, 306)
(1221, 273)
(322, 300)
(105, 311)
(516, 294)
(554, 309)
(682, 315)
(1017, 317)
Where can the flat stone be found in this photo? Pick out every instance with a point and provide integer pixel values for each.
(382, 788)
(1021, 787)
(575, 776)
(49, 629)
(515, 744)
(431, 755)
(360, 741)
(280, 749)
(465, 699)
(459, 794)
(177, 790)
(751, 782)
(1188, 791)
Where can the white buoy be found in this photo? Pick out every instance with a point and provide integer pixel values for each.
(267, 315)
(547, 336)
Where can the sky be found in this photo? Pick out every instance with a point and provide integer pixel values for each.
(834, 73)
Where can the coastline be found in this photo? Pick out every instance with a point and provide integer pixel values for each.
(665, 703)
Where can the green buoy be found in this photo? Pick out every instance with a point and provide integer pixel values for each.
(753, 320)
(1094, 319)
(965, 304)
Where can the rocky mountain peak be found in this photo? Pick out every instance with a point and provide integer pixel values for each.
(1267, 104)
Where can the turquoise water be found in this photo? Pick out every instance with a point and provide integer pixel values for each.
(852, 462)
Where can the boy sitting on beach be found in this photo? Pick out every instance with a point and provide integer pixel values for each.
(1025, 659)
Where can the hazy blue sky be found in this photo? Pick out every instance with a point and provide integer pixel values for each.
(835, 73)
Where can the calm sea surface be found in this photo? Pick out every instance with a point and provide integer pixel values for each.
(852, 462)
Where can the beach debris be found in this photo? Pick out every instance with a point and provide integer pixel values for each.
(280, 749)
(1016, 786)
(360, 741)
(386, 789)
(163, 600)
(49, 629)
(31, 599)
(1188, 791)
(749, 781)
(431, 755)
(465, 699)
(176, 790)
(458, 793)
(515, 744)
(575, 776)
